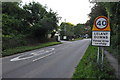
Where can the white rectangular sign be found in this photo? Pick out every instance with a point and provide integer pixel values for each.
(101, 38)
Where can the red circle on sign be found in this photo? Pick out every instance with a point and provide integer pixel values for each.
(99, 18)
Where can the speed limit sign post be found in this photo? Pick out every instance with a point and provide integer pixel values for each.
(101, 34)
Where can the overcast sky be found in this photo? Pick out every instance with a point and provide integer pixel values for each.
(74, 11)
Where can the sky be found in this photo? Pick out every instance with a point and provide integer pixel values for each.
(73, 11)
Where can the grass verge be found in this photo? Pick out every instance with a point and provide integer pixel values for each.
(16, 50)
(76, 39)
(89, 68)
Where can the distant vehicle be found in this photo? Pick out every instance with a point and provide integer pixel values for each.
(86, 36)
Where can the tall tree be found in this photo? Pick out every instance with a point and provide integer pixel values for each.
(40, 21)
(79, 30)
(97, 10)
(67, 29)
(11, 18)
(31, 21)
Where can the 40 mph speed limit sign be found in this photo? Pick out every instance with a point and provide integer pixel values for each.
(101, 22)
(101, 32)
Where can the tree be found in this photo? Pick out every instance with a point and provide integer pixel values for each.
(11, 18)
(97, 10)
(31, 21)
(67, 29)
(79, 30)
(113, 12)
(39, 20)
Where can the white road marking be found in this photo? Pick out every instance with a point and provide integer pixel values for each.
(43, 57)
(32, 54)
(18, 58)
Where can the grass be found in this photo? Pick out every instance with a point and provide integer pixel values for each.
(88, 67)
(16, 50)
(77, 39)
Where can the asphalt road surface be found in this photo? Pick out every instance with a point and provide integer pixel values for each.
(57, 61)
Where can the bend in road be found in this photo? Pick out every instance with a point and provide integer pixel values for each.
(57, 61)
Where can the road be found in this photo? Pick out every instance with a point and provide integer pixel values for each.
(57, 61)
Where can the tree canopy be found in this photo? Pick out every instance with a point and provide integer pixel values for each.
(31, 20)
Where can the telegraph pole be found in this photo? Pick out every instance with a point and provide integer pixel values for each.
(65, 28)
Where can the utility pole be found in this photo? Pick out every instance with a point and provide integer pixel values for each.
(65, 34)
(65, 28)
(98, 56)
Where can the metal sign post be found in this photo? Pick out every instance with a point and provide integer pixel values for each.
(101, 35)
(102, 54)
(98, 55)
